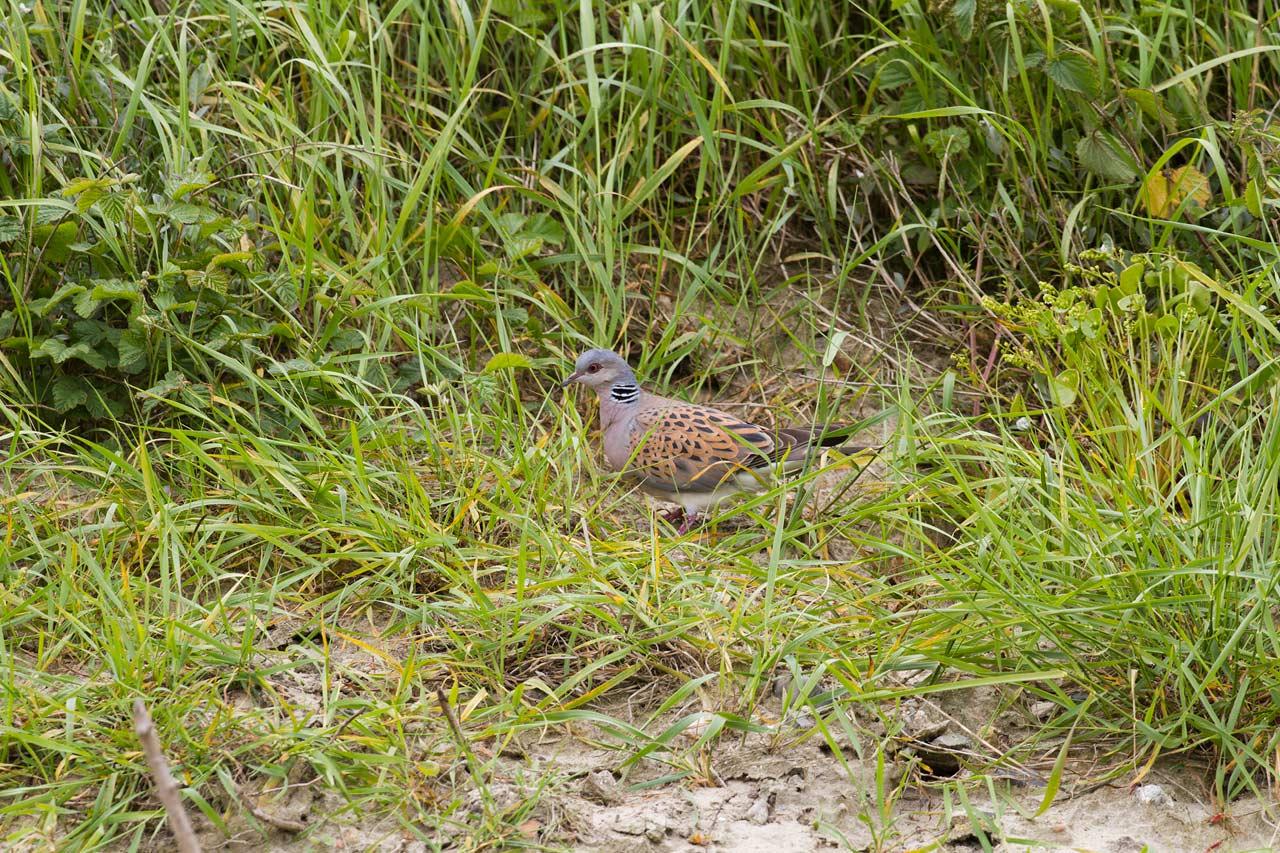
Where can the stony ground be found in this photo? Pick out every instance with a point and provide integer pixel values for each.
(948, 786)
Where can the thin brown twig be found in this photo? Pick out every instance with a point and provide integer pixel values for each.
(166, 786)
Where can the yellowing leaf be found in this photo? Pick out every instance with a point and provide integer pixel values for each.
(1165, 192)
(1253, 198)
(507, 361)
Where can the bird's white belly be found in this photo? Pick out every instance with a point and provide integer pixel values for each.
(698, 502)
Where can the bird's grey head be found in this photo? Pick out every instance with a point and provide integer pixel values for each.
(601, 369)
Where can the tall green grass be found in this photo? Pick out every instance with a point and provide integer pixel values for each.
(259, 258)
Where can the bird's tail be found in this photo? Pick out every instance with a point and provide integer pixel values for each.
(794, 444)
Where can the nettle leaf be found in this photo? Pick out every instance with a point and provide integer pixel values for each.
(293, 365)
(507, 361)
(1075, 72)
(86, 191)
(92, 332)
(894, 72)
(10, 226)
(347, 340)
(172, 383)
(43, 307)
(114, 288)
(1152, 106)
(962, 13)
(8, 112)
(51, 348)
(86, 352)
(69, 392)
(103, 406)
(216, 279)
(86, 304)
(181, 186)
(1102, 154)
(55, 241)
(238, 261)
(545, 227)
(132, 348)
(185, 213)
(112, 206)
(523, 246)
(947, 142)
(1034, 59)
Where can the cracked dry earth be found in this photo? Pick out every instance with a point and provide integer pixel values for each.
(788, 790)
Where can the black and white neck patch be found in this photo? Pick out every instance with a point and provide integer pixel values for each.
(624, 393)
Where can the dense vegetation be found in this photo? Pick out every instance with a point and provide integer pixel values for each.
(288, 287)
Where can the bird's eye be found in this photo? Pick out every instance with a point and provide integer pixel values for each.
(595, 368)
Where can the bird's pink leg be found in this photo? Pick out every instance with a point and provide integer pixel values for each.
(690, 519)
(672, 516)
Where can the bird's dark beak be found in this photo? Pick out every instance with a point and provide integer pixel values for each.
(573, 377)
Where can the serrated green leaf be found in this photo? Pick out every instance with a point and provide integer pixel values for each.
(347, 340)
(10, 227)
(81, 185)
(238, 261)
(947, 142)
(894, 73)
(86, 304)
(88, 198)
(1152, 105)
(101, 405)
(507, 361)
(114, 288)
(1253, 198)
(69, 392)
(1102, 155)
(523, 246)
(1073, 71)
(132, 348)
(82, 351)
(87, 191)
(113, 206)
(962, 13)
(173, 381)
(55, 241)
(8, 112)
(545, 227)
(186, 214)
(293, 365)
(43, 307)
(50, 348)
(183, 185)
(1032, 59)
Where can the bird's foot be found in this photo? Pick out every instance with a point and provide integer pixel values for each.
(690, 519)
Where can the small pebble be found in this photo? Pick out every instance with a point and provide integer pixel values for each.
(1043, 710)
(1153, 795)
(759, 811)
(602, 788)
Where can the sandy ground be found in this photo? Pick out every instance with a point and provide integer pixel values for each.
(790, 789)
